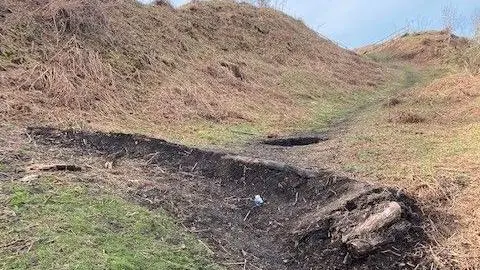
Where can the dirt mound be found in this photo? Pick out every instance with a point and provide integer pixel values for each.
(115, 64)
(420, 48)
(309, 219)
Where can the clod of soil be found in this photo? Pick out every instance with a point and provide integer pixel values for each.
(406, 118)
(310, 219)
(295, 141)
(392, 102)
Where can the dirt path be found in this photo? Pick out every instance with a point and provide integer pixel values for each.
(321, 154)
(310, 220)
(326, 153)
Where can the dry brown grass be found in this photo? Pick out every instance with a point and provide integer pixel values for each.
(392, 102)
(454, 99)
(454, 88)
(437, 161)
(118, 65)
(408, 117)
(423, 48)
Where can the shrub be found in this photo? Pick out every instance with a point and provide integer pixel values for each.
(163, 3)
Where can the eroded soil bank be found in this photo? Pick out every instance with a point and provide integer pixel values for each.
(310, 219)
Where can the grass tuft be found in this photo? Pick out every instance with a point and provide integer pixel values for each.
(406, 118)
(392, 102)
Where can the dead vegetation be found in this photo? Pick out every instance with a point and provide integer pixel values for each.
(406, 118)
(120, 65)
(421, 48)
(392, 102)
(436, 158)
(454, 98)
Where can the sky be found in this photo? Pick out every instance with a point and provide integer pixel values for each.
(355, 23)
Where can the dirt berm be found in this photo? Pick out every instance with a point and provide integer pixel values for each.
(310, 219)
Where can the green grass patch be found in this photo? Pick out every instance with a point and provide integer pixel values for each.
(205, 133)
(328, 111)
(338, 105)
(3, 167)
(70, 226)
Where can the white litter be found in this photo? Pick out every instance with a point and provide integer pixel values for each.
(258, 200)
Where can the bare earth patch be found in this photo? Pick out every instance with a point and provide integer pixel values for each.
(308, 219)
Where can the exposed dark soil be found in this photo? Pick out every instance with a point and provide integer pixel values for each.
(295, 141)
(307, 219)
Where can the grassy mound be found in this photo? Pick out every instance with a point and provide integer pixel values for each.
(431, 47)
(120, 65)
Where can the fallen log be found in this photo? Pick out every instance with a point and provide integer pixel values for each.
(364, 238)
(274, 165)
(55, 167)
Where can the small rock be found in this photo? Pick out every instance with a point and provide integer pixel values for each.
(3, 176)
(30, 178)
(108, 165)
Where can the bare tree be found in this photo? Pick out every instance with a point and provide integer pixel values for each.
(263, 3)
(280, 4)
(450, 17)
(276, 4)
(162, 3)
(476, 25)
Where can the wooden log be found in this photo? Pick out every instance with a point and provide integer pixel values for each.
(361, 247)
(364, 237)
(274, 165)
(55, 167)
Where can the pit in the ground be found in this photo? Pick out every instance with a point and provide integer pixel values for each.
(295, 141)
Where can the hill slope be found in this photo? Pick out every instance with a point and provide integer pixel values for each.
(426, 140)
(430, 47)
(120, 65)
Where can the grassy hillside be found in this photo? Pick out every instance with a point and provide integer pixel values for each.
(420, 48)
(212, 65)
(216, 72)
(425, 140)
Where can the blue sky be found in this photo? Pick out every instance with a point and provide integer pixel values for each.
(354, 23)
